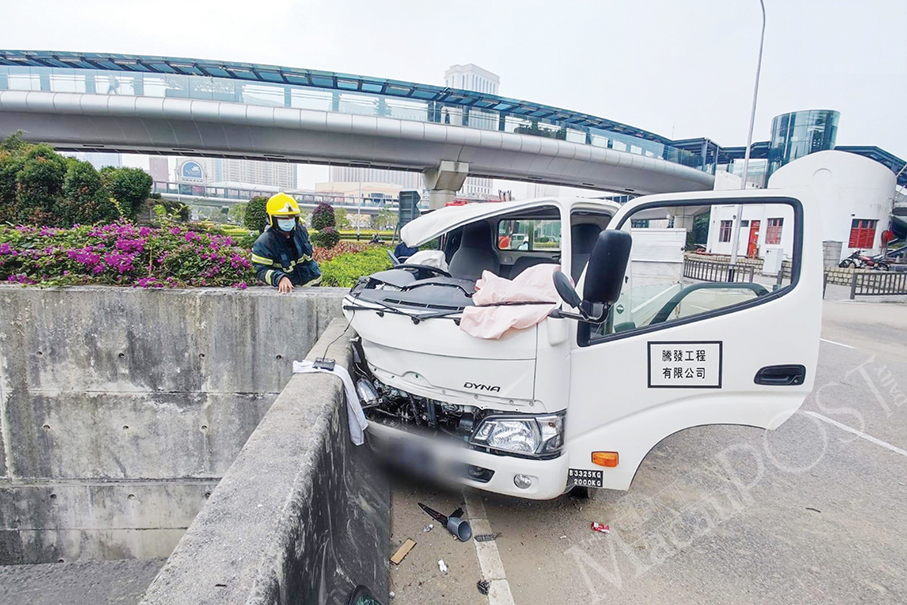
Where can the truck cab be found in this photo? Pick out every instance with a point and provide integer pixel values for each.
(647, 338)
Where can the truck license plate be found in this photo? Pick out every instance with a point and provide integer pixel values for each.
(585, 478)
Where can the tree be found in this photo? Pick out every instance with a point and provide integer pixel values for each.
(129, 186)
(255, 216)
(170, 210)
(82, 182)
(10, 165)
(385, 219)
(85, 201)
(700, 230)
(14, 143)
(326, 238)
(237, 213)
(323, 217)
(342, 219)
(39, 184)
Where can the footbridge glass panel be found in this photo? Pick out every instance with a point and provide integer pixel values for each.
(272, 86)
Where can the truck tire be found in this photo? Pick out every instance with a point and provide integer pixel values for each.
(580, 492)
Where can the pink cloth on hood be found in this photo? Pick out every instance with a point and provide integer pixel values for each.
(535, 285)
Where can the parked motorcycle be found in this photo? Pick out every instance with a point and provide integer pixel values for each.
(859, 260)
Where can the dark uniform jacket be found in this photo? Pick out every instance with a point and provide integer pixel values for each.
(275, 257)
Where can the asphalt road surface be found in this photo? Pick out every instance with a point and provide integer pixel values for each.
(811, 513)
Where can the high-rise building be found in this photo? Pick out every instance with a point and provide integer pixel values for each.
(279, 174)
(471, 77)
(98, 159)
(250, 172)
(534, 190)
(158, 168)
(355, 174)
(466, 77)
(474, 78)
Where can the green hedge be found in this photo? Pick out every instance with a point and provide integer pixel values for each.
(345, 270)
(347, 233)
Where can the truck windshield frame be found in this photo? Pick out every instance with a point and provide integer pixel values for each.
(585, 336)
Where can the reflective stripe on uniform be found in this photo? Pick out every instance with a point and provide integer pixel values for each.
(261, 260)
(314, 282)
(268, 275)
(303, 259)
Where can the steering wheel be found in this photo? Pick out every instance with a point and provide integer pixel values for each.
(429, 268)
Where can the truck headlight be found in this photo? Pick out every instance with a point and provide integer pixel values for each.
(527, 435)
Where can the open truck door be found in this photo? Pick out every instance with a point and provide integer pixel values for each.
(689, 342)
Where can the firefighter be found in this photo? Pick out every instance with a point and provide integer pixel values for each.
(282, 255)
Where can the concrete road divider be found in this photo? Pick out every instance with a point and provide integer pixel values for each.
(302, 515)
(122, 408)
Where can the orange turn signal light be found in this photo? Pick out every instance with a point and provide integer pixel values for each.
(609, 459)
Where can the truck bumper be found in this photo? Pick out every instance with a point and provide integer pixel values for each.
(549, 477)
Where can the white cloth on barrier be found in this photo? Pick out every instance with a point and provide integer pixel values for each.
(356, 416)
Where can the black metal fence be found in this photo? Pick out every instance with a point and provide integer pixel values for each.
(878, 283)
(704, 270)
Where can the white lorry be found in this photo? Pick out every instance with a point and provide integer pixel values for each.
(657, 341)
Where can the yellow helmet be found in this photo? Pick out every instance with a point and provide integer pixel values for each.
(282, 205)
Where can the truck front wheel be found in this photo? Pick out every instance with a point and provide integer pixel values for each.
(580, 492)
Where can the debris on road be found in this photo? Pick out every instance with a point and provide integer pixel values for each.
(428, 528)
(454, 523)
(442, 565)
(482, 585)
(599, 527)
(402, 551)
(563, 537)
(487, 537)
(815, 510)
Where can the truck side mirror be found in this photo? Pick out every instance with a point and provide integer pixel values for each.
(566, 290)
(607, 266)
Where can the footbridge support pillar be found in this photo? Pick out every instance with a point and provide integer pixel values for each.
(444, 181)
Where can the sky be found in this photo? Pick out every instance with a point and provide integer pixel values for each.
(679, 68)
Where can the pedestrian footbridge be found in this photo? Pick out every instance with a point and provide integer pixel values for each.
(159, 105)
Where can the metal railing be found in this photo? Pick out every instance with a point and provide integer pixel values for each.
(231, 194)
(878, 283)
(440, 105)
(717, 272)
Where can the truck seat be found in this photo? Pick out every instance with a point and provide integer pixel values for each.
(583, 238)
(475, 253)
(524, 262)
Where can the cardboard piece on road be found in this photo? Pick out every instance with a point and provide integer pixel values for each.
(402, 551)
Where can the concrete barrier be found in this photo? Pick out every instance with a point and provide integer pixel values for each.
(302, 515)
(121, 408)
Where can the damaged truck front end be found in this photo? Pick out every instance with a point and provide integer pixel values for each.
(444, 403)
(490, 413)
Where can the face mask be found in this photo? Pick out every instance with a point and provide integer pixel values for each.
(286, 224)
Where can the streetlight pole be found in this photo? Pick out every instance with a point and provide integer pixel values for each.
(359, 209)
(735, 238)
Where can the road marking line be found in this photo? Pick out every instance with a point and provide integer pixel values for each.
(840, 344)
(860, 434)
(487, 553)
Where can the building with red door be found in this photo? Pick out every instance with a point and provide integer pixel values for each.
(858, 194)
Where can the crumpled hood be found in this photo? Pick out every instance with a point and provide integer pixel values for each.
(435, 359)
